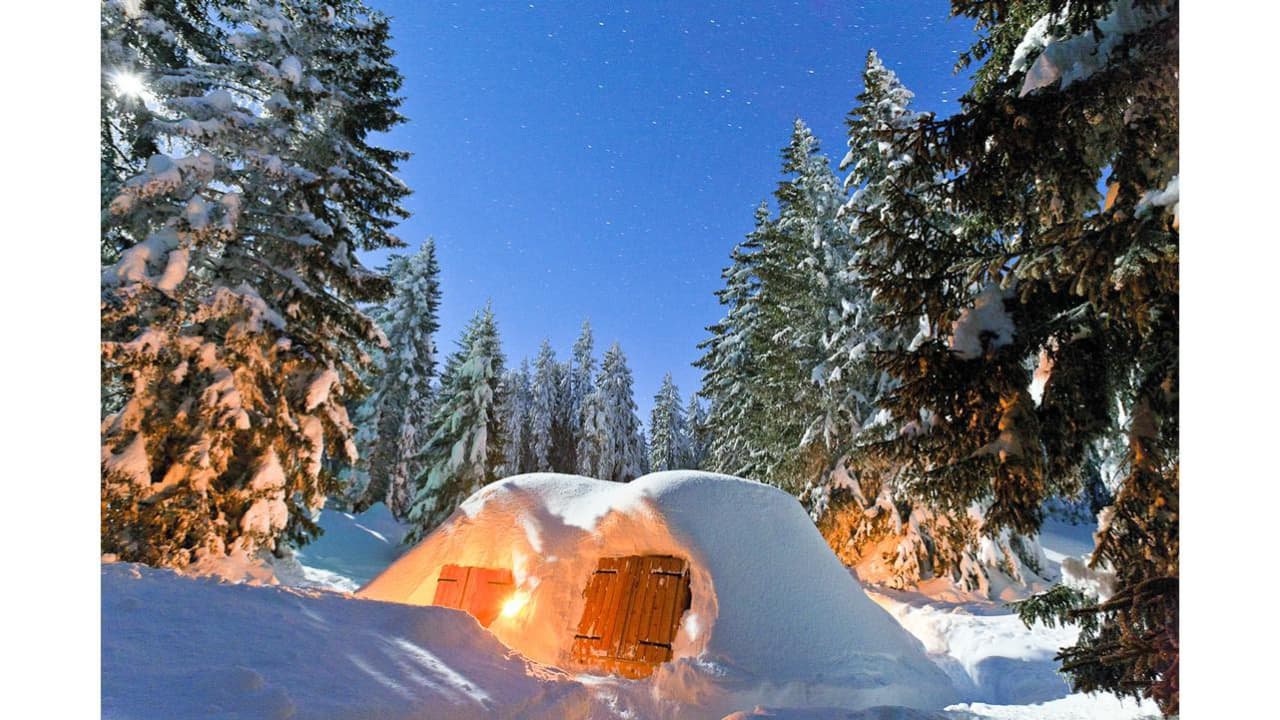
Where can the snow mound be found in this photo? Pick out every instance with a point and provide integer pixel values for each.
(1073, 707)
(353, 548)
(875, 713)
(175, 647)
(775, 617)
(985, 649)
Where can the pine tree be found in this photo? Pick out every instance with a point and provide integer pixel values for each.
(612, 446)
(699, 433)
(465, 448)
(668, 430)
(581, 384)
(563, 437)
(1068, 97)
(517, 401)
(403, 395)
(729, 361)
(544, 407)
(767, 364)
(865, 505)
(241, 181)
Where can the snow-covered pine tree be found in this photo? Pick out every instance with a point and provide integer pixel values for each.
(864, 504)
(699, 432)
(612, 447)
(544, 407)
(242, 181)
(581, 384)
(766, 364)
(563, 439)
(668, 430)
(517, 400)
(729, 361)
(465, 448)
(403, 394)
(1069, 96)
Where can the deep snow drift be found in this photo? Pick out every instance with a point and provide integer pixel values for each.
(175, 647)
(775, 617)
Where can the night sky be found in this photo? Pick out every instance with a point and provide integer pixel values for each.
(578, 160)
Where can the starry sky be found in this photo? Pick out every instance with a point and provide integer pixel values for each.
(600, 160)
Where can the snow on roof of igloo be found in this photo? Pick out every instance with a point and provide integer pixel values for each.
(774, 614)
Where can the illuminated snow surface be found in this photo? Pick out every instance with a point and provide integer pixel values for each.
(181, 647)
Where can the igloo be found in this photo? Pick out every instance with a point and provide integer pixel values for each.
(717, 590)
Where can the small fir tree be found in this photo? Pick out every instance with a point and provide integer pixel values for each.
(612, 445)
(581, 382)
(403, 394)
(544, 407)
(465, 448)
(517, 400)
(699, 432)
(767, 370)
(668, 430)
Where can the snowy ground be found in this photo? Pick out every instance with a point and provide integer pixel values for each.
(1002, 669)
(178, 647)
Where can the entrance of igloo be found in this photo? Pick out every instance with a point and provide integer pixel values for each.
(631, 614)
(477, 590)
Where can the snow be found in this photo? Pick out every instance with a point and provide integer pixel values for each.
(1067, 60)
(132, 462)
(320, 387)
(179, 647)
(133, 265)
(1166, 198)
(750, 634)
(1033, 42)
(195, 648)
(985, 649)
(1040, 377)
(1072, 707)
(984, 327)
(354, 547)
(1001, 668)
(220, 99)
(291, 69)
(175, 271)
(268, 513)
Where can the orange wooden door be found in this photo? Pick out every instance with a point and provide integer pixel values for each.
(632, 613)
(479, 591)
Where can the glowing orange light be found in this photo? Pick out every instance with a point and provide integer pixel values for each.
(514, 604)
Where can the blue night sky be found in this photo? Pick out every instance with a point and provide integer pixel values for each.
(578, 160)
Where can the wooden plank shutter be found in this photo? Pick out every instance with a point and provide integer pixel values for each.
(479, 591)
(632, 613)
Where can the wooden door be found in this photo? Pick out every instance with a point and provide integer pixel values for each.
(632, 613)
(479, 591)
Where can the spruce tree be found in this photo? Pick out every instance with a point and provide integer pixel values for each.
(766, 364)
(403, 394)
(699, 433)
(668, 430)
(581, 383)
(563, 438)
(239, 181)
(465, 448)
(612, 446)
(517, 400)
(729, 361)
(866, 505)
(544, 407)
(1067, 98)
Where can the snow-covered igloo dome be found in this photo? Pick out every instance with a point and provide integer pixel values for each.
(772, 615)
